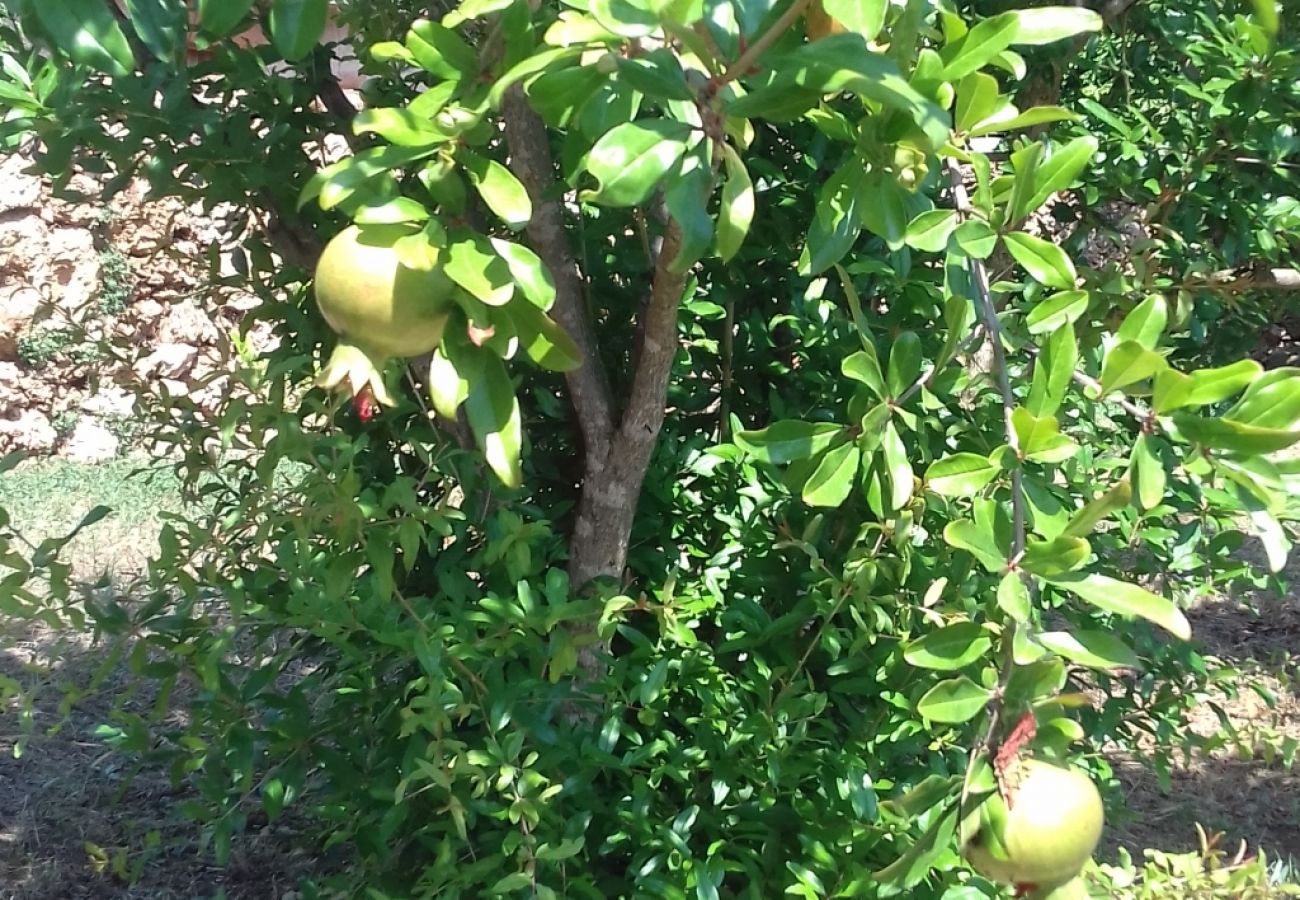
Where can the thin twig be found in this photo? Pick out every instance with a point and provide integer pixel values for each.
(741, 66)
(992, 325)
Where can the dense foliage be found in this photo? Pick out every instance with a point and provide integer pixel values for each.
(778, 468)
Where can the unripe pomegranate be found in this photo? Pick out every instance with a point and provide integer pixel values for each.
(1043, 835)
(379, 308)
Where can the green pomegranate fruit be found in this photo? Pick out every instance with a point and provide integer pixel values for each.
(379, 308)
(1044, 836)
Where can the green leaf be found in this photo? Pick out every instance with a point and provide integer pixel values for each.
(1128, 363)
(1231, 436)
(529, 273)
(657, 74)
(160, 25)
(836, 223)
(219, 17)
(1033, 432)
(495, 419)
(448, 385)
(1216, 385)
(1053, 373)
(832, 480)
(976, 239)
(1094, 649)
(882, 208)
(960, 475)
(626, 18)
(1126, 599)
(954, 701)
(297, 26)
(950, 648)
(440, 51)
(866, 17)
(863, 366)
(977, 47)
(1061, 308)
(978, 97)
(737, 211)
(631, 160)
(686, 196)
(88, 33)
(1013, 597)
(542, 339)
(1145, 323)
(1010, 119)
(898, 466)
(1083, 521)
(500, 189)
(904, 363)
(339, 182)
(473, 263)
(930, 230)
(1045, 262)
(393, 211)
(397, 126)
(979, 541)
(1147, 473)
(1048, 24)
(838, 63)
(1059, 171)
(1271, 401)
(1024, 166)
(788, 440)
(1055, 557)
(917, 862)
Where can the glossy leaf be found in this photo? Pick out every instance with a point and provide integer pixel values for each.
(1055, 557)
(836, 221)
(1125, 599)
(737, 211)
(977, 47)
(904, 363)
(976, 239)
(930, 230)
(1048, 24)
(1094, 649)
(473, 263)
(631, 160)
(898, 466)
(499, 188)
(160, 25)
(297, 26)
(866, 17)
(788, 440)
(1054, 370)
(949, 648)
(528, 271)
(544, 341)
(494, 417)
(1062, 308)
(1232, 436)
(440, 51)
(1045, 262)
(219, 17)
(1147, 472)
(960, 475)
(833, 479)
(88, 33)
(863, 366)
(1060, 170)
(1145, 323)
(979, 541)
(1013, 597)
(954, 701)
(1128, 363)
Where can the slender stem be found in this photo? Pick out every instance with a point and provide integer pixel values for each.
(989, 314)
(741, 66)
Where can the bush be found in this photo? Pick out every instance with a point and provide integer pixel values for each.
(775, 482)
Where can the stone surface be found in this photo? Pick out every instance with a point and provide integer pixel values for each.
(31, 431)
(91, 442)
(170, 361)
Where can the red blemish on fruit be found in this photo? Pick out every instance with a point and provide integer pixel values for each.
(365, 405)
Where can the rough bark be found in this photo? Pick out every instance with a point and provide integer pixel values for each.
(616, 453)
